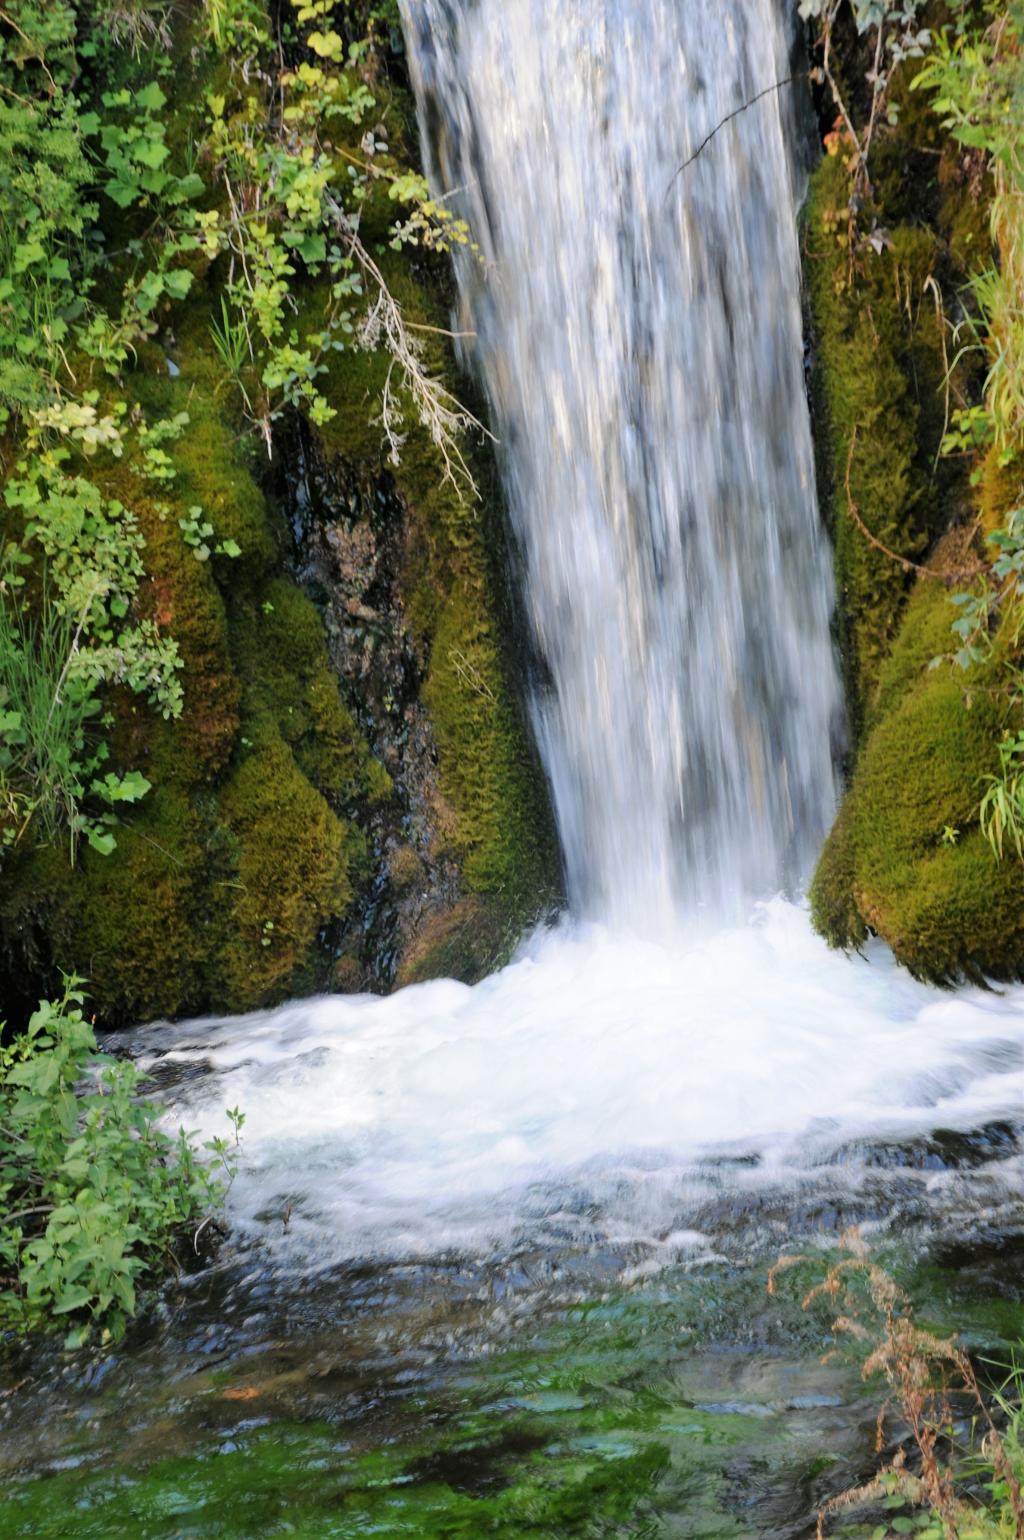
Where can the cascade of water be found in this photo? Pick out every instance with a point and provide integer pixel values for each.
(638, 332)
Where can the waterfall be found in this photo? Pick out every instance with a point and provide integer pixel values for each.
(638, 332)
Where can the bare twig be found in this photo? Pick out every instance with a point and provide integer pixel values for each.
(960, 575)
(443, 416)
(775, 86)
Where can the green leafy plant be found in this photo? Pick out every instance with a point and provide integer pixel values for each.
(974, 76)
(294, 198)
(1002, 804)
(973, 73)
(94, 1195)
(62, 641)
(45, 205)
(49, 769)
(197, 532)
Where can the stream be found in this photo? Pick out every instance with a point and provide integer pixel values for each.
(498, 1256)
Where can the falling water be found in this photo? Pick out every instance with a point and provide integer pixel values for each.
(638, 331)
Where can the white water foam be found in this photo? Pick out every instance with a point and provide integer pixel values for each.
(599, 1089)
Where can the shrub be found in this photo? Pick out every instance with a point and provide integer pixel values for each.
(94, 1195)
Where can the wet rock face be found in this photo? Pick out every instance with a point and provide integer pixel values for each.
(352, 530)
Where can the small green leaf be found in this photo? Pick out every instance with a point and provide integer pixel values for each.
(150, 98)
(178, 282)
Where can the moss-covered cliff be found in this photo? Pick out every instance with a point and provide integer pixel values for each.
(907, 858)
(348, 795)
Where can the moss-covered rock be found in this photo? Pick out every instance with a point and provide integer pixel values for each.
(126, 922)
(906, 858)
(231, 871)
(880, 365)
(281, 654)
(293, 871)
(480, 814)
(264, 859)
(465, 942)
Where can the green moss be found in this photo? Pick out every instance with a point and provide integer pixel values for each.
(925, 632)
(291, 875)
(485, 775)
(182, 597)
(466, 942)
(907, 858)
(281, 653)
(215, 458)
(236, 831)
(880, 366)
(246, 854)
(834, 911)
(125, 922)
(964, 214)
(493, 810)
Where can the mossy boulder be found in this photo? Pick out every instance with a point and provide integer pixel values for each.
(484, 813)
(126, 922)
(229, 874)
(906, 859)
(281, 653)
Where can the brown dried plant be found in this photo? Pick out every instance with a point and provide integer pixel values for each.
(926, 1375)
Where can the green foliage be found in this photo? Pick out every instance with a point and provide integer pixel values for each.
(43, 716)
(283, 657)
(93, 1194)
(1001, 812)
(49, 769)
(294, 863)
(295, 189)
(83, 551)
(974, 76)
(133, 140)
(45, 208)
(77, 637)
